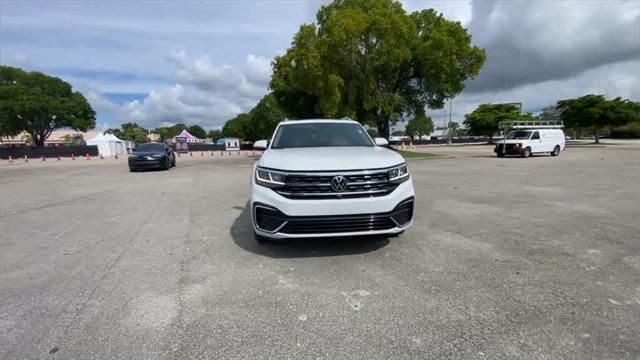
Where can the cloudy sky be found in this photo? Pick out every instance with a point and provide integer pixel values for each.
(159, 63)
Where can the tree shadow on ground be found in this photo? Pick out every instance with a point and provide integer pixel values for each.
(242, 234)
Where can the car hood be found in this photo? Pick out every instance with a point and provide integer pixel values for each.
(146, 153)
(330, 158)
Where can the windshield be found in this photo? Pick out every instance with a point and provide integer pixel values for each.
(320, 135)
(519, 135)
(150, 147)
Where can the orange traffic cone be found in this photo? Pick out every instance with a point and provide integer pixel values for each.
(10, 160)
(73, 156)
(116, 156)
(44, 158)
(211, 152)
(101, 157)
(221, 152)
(57, 157)
(191, 153)
(88, 157)
(201, 153)
(26, 159)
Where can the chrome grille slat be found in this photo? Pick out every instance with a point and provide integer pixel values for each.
(360, 183)
(343, 193)
(301, 184)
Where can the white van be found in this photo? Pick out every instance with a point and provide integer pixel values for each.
(525, 142)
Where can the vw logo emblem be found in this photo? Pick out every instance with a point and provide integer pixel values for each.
(338, 183)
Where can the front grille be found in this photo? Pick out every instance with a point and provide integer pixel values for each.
(146, 163)
(510, 148)
(338, 224)
(271, 220)
(365, 183)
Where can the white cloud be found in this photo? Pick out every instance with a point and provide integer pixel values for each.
(205, 93)
(457, 10)
(529, 42)
(620, 79)
(99, 102)
(258, 69)
(176, 104)
(202, 73)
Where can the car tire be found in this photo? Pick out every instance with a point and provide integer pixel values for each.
(173, 163)
(556, 151)
(526, 152)
(500, 154)
(132, 169)
(167, 164)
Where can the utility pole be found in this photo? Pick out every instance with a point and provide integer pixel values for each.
(449, 127)
(444, 121)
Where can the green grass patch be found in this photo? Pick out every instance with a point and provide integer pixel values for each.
(415, 154)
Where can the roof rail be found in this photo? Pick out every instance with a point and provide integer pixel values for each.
(554, 124)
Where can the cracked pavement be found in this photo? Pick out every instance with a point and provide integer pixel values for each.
(509, 258)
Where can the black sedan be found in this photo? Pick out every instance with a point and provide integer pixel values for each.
(152, 156)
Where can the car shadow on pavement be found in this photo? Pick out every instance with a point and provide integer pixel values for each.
(242, 235)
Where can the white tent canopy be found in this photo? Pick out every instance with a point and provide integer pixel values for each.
(109, 145)
(187, 136)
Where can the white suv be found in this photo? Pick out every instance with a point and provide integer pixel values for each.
(321, 178)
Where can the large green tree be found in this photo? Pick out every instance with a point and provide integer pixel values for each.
(197, 131)
(265, 116)
(259, 123)
(550, 113)
(167, 132)
(595, 112)
(240, 127)
(371, 61)
(130, 131)
(214, 134)
(486, 118)
(39, 104)
(419, 126)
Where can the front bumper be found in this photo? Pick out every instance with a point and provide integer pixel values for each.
(332, 217)
(512, 149)
(143, 163)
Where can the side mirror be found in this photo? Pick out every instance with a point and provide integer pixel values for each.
(381, 141)
(261, 145)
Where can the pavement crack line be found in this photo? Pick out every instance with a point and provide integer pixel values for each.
(184, 279)
(80, 309)
(54, 204)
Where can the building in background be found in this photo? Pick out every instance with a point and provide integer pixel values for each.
(57, 137)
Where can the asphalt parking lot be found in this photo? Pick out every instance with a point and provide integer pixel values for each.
(509, 258)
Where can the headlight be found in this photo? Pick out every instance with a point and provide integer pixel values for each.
(270, 178)
(157, 156)
(518, 145)
(398, 174)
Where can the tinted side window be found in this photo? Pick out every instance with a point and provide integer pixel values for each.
(535, 136)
